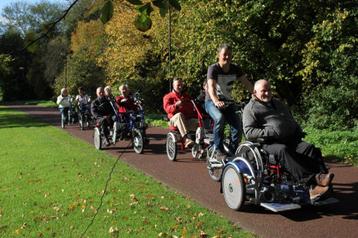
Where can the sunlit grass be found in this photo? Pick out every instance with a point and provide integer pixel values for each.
(338, 145)
(51, 184)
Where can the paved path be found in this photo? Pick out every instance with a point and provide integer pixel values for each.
(190, 177)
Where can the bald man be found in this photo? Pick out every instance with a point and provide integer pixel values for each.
(267, 118)
(103, 112)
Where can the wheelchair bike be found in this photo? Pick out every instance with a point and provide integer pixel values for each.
(202, 138)
(126, 126)
(256, 177)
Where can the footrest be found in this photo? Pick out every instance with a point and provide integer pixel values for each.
(279, 207)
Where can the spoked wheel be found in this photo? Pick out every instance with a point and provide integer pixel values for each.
(171, 146)
(69, 118)
(252, 154)
(81, 122)
(138, 142)
(115, 131)
(97, 138)
(63, 122)
(233, 187)
(214, 169)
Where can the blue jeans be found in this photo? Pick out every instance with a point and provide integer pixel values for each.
(220, 117)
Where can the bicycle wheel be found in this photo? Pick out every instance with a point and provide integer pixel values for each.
(62, 122)
(233, 187)
(97, 138)
(81, 122)
(171, 147)
(138, 143)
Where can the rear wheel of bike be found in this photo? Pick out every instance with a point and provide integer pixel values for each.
(62, 122)
(233, 187)
(81, 123)
(171, 147)
(138, 142)
(97, 138)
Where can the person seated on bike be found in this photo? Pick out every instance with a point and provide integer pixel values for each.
(64, 103)
(108, 93)
(125, 101)
(103, 112)
(220, 79)
(82, 100)
(270, 120)
(200, 102)
(180, 111)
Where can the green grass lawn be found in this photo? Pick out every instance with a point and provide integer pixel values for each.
(51, 184)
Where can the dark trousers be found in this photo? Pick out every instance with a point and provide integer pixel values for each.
(106, 123)
(300, 159)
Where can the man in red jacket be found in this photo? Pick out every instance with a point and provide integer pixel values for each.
(125, 102)
(180, 110)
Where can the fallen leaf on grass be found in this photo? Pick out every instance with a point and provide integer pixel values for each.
(113, 231)
(164, 208)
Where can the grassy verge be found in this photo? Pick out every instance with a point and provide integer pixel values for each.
(42, 103)
(336, 145)
(156, 120)
(52, 183)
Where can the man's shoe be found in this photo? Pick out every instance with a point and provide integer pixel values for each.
(324, 179)
(317, 192)
(188, 143)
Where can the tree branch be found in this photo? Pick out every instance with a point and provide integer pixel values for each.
(52, 25)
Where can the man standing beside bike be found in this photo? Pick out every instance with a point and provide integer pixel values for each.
(103, 112)
(220, 79)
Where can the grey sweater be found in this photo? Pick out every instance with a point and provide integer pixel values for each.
(271, 121)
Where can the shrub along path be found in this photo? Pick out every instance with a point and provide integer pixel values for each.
(190, 177)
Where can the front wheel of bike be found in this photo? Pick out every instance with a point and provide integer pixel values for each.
(97, 138)
(138, 142)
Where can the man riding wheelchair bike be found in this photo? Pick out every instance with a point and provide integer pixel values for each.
(275, 168)
(113, 125)
(186, 123)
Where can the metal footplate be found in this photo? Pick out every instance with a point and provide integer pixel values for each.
(279, 207)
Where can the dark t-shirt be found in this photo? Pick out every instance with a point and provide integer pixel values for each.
(224, 81)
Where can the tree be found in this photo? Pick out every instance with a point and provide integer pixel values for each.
(25, 18)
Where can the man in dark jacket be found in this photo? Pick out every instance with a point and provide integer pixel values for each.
(103, 111)
(267, 118)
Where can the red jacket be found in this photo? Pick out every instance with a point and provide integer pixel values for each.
(186, 108)
(125, 106)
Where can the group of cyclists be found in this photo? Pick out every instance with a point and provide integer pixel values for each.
(264, 118)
